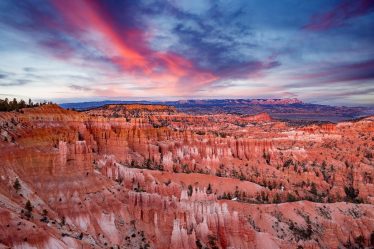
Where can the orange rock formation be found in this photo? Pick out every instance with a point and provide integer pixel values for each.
(140, 176)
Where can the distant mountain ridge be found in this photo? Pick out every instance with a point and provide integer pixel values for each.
(92, 104)
(287, 109)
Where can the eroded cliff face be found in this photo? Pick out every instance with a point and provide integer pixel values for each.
(150, 177)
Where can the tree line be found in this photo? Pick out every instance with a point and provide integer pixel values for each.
(7, 105)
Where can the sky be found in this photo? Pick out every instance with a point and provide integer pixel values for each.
(319, 51)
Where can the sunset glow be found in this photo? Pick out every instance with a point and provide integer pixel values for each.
(318, 51)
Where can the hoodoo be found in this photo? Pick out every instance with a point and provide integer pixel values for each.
(139, 175)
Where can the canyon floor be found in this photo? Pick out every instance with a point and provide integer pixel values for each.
(150, 176)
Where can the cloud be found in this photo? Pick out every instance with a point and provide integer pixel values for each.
(100, 32)
(94, 30)
(20, 82)
(159, 49)
(129, 44)
(3, 76)
(216, 39)
(339, 15)
(80, 88)
(247, 69)
(353, 92)
(358, 72)
(29, 69)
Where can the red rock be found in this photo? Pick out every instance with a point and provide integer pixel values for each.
(86, 167)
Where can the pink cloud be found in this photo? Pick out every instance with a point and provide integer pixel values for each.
(132, 55)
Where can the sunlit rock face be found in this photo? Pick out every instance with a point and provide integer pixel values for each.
(141, 176)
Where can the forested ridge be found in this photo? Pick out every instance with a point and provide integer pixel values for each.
(15, 105)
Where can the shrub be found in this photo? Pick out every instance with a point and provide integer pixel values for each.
(63, 221)
(242, 177)
(17, 185)
(29, 209)
(218, 173)
(276, 198)
(287, 163)
(212, 242)
(360, 241)
(190, 190)
(44, 218)
(198, 244)
(266, 156)
(313, 190)
(351, 193)
(185, 168)
(80, 137)
(209, 189)
(147, 164)
(201, 133)
(291, 198)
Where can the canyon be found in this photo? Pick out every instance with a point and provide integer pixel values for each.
(153, 176)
